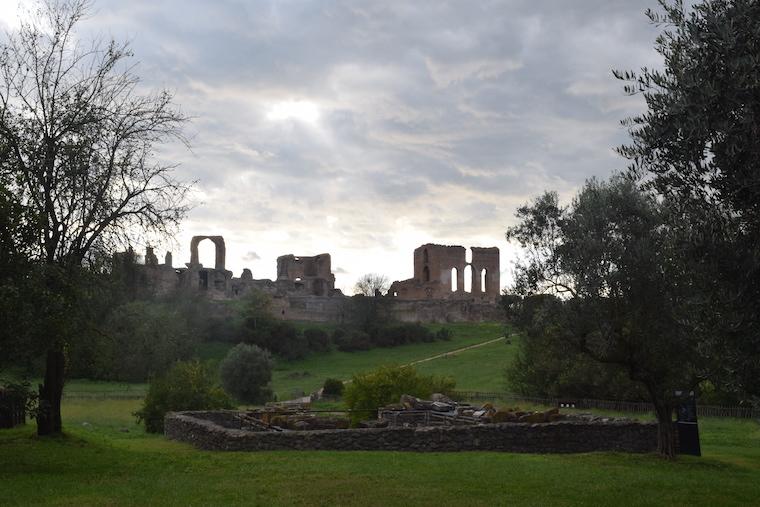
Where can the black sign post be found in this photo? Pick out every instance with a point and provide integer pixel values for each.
(686, 424)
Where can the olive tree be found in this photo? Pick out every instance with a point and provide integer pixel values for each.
(613, 263)
(697, 144)
(78, 136)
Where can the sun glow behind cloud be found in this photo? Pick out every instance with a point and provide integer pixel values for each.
(300, 110)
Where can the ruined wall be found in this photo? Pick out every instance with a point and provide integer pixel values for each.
(204, 431)
(311, 275)
(305, 286)
(448, 310)
(311, 308)
(437, 266)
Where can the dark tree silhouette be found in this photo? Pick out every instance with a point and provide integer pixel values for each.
(78, 139)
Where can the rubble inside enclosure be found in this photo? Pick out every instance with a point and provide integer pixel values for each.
(410, 412)
(289, 419)
(443, 411)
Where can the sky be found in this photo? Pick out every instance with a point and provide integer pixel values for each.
(366, 129)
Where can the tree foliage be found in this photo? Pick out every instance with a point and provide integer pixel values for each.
(77, 138)
(698, 146)
(246, 372)
(610, 258)
(187, 385)
(370, 390)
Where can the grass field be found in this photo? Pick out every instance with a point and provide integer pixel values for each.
(291, 378)
(479, 369)
(106, 459)
(97, 463)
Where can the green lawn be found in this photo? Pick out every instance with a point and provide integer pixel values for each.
(479, 369)
(98, 463)
(308, 375)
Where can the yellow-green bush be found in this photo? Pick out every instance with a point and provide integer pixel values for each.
(374, 389)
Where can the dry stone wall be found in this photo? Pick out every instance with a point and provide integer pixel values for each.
(217, 431)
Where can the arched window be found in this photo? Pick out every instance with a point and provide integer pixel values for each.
(483, 280)
(425, 274)
(468, 278)
(454, 280)
(425, 256)
(207, 253)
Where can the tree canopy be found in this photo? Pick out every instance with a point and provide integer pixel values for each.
(78, 135)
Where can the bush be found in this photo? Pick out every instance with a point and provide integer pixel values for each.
(354, 340)
(287, 342)
(186, 386)
(333, 388)
(317, 339)
(246, 373)
(368, 391)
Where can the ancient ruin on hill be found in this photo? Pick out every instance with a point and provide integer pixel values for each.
(446, 287)
(443, 272)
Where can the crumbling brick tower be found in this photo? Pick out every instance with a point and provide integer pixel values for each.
(310, 275)
(440, 271)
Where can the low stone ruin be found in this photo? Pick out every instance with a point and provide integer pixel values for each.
(250, 431)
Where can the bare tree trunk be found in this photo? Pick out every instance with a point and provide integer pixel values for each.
(51, 391)
(666, 435)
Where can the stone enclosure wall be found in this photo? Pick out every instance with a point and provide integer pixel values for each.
(217, 431)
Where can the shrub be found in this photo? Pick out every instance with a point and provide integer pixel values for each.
(368, 391)
(332, 388)
(186, 386)
(246, 373)
(286, 341)
(317, 339)
(354, 340)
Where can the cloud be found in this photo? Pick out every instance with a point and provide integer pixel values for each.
(251, 256)
(368, 128)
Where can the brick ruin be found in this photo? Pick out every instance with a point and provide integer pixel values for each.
(443, 272)
(447, 286)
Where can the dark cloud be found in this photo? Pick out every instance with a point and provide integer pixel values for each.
(332, 125)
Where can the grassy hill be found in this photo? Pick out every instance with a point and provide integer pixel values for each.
(479, 369)
(306, 375)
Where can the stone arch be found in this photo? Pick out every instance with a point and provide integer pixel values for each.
(426, 274)
(221, 251)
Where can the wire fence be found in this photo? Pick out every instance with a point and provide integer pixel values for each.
(739, 412)
(104, 395)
